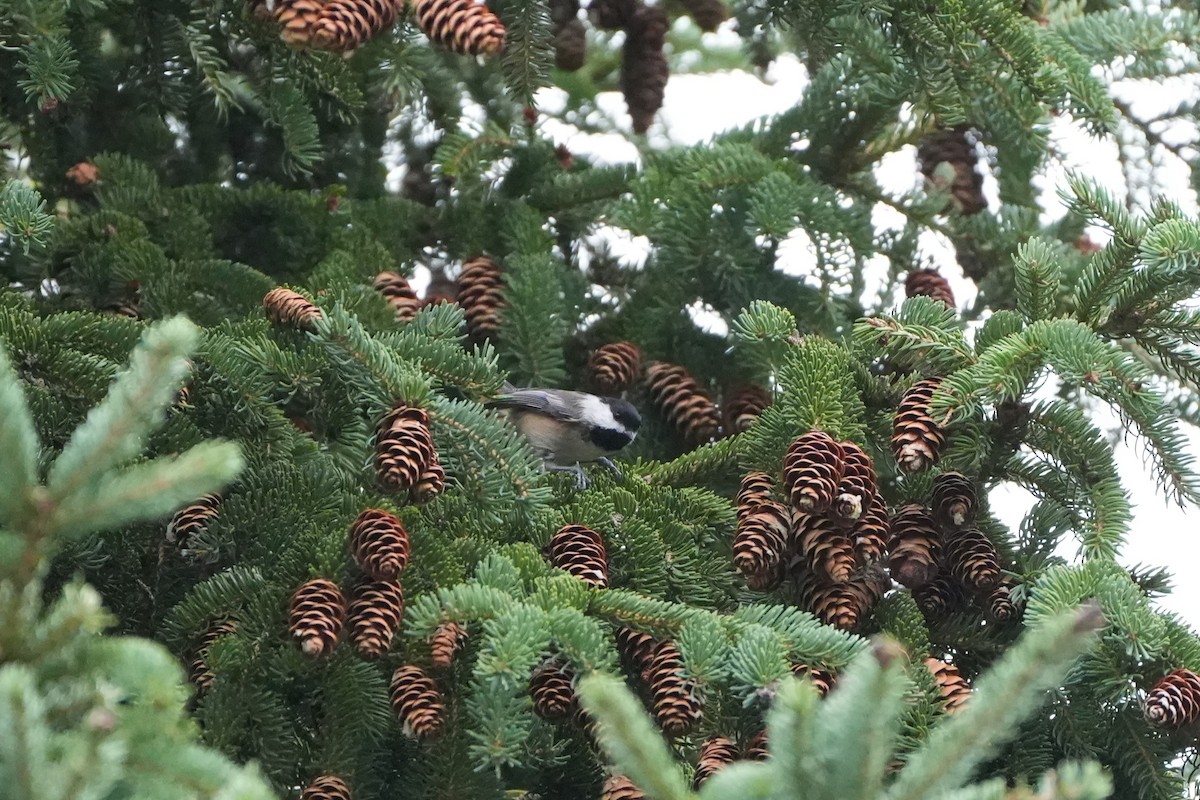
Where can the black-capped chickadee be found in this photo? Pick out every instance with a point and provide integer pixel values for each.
(567, 429)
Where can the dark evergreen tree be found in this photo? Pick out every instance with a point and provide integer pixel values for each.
(377, 605)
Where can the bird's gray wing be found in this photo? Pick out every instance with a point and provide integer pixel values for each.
(552, 404)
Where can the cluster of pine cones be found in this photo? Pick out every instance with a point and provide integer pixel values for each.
(417, 702)
(617, 367)
(945, 560)
(319, 610)
(340, 26)
(644, 69)
(657, 666)
(829, 534)
(405, 457)
(718, 751)
(833, 535)
(580, 551)
(479, 290)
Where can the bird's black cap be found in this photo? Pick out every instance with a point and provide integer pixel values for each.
(623, 412)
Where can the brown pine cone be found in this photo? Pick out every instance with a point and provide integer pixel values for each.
(445, 643)
(417, 702)
(580, 551)
(812, 471)
(636, 648)
(708, 14)
(618, 787)
(761, 539)
(953, 500)
(871, 533)
(644, 68)
(400, 296)
(1175, 700)
(961, 177)
(296, 19)
(755, 490)
(481, 295)
(744, 406)
(766, 581)
(915, 546)
(951, 684)
(822, 680)
(289, 309)
(929, 283)
(941, 596)
(199, 671)
(192, 520)
(403, 448)
(857, 489)
(570, 45)
(826, 549)
(347, 24)
(85, 173)
(380, 544)
(675, 702)
(683, 400)
(374, 616)
(842, 605)
(431, 482)
(611, 15)
(615, 367)
(715, 754)
(916, 438)
(972, 558)
(461, 26)
(999, 604)
(316, 615)
(326, 787)
(756, 748)
(552, 689)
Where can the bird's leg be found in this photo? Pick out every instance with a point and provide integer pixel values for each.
(607, 462)
(581, 479)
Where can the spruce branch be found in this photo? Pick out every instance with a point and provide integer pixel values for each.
(924, 336)
(116, 430)
(1038, 279)
(149, 490)
(703, 463)
(373, 368)
(758, 658)
(528, 54)
(630, 739)
(535, 320)
(23, 215)
(861, 717)
(1003, 697)
(228, 89)
(50, 64)
(287, 109)
(19, 441)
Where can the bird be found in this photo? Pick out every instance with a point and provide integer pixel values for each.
(568, 429)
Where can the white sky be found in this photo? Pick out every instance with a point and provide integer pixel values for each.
(699, 106)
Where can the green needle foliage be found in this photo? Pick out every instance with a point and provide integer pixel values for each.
(845, 746)
(169, 164)
(87, 715)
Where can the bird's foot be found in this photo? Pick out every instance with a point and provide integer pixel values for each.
(607, 462)
(581, 478)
